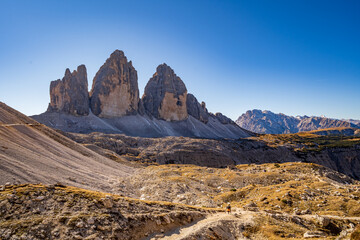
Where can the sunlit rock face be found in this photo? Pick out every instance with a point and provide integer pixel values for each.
(70, 95)
(115, 91)
(165, 95)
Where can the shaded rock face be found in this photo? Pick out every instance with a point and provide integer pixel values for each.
(165, 95)
(197, 110)
(70, 95)
(223, 119)
(115, 91)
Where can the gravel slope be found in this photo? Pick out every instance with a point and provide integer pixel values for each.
(31, 153)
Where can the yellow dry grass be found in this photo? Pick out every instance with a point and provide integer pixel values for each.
(284, 187)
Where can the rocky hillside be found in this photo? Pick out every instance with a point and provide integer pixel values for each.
(338, 152)
(114, 106)
(271, 123)
(30, 211)
(32, 152)
(269, 201)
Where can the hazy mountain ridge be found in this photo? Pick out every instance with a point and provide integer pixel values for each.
(267, 122)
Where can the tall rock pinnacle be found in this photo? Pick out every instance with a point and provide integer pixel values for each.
(70, 95)
(196, 109)
(165, 95)
(115, 91)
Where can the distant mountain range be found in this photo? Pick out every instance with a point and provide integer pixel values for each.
(277, 123)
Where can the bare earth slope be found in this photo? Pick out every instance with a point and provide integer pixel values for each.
(142, 126)
(32, 152)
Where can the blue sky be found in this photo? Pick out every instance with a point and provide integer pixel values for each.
(299, 57)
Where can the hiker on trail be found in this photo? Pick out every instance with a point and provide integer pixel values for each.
(228, 208)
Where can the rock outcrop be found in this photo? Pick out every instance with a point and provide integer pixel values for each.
(164, 110)
(197, 110)
(115, 91)
(271, 123)
(70, 95)
(223, 119)
(165, 95)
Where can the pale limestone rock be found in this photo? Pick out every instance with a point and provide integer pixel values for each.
(115, 91)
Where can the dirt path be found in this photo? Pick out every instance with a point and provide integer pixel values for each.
(212, 221)
(19, 124)
(225, 225)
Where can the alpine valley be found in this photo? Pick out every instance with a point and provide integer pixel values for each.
(109, 164)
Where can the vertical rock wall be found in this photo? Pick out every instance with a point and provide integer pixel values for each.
(115, 91)
(70, 95)
(165, 95)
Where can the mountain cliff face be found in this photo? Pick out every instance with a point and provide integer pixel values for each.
(166, 109)
(70, 95)
(197, 110)
(165, 95)
(115, 91)
(271, 123)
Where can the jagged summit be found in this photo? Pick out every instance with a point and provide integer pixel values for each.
(117, 53)
(115, 91)
(165, 109)
(70, 95)
(165, 95)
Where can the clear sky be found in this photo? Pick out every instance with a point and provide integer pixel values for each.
(298, 57)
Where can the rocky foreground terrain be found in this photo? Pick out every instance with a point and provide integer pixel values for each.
(269, 201)
(267, 122)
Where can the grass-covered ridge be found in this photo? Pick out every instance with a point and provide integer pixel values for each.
(313, 140)
(36, 211)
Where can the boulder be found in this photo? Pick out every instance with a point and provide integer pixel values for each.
(323, 221)
(314, 234)
(165, 95)
(115, 91)
(251, 207)
(70, 95)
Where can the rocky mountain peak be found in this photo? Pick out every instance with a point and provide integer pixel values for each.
(115, 91)
(115, 94)
(165, 95)
(70, 95)
(67, 73)
(117, 53)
